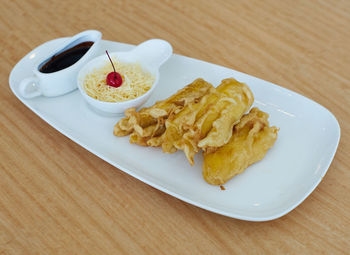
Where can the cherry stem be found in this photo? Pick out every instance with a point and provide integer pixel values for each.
(115, 73)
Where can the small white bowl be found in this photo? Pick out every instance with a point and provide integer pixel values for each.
(150, 55)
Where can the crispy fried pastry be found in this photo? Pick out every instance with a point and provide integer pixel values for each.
(208, 124)
(227, 112)
(201, 117)
(153, 118)
(178, 124)
(251, 139)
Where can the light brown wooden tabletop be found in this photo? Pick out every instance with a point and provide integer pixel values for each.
(58, 198)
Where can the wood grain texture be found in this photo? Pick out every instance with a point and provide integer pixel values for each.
(57, 198)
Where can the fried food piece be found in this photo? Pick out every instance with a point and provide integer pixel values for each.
(137, 139)
(156, 114)
(208, 124)
(226, 113)
(155, 141)
(178, 124)
(150, 135)
(251, 139)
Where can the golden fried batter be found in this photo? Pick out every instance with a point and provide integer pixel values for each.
(201, 117)
(251, 139)
(208, 123)
(178, 124)
(227, 112)
(156, 114)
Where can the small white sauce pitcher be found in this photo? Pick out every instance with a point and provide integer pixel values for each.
(63, 81)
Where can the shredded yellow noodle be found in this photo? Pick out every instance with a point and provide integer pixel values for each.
(136, 82)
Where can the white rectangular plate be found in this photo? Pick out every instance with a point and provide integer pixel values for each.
(306, 144)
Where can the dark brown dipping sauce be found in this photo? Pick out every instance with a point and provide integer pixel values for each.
(66, 58)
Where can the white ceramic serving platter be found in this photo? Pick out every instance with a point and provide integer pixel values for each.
(306, 144)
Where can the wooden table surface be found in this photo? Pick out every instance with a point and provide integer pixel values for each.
(58, 198)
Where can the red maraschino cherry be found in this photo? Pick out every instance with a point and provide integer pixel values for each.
(113, 79)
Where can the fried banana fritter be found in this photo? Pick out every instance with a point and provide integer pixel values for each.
(251, 139)
(155, 115)
(201, 117)
(178, 124)
(208, 124)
